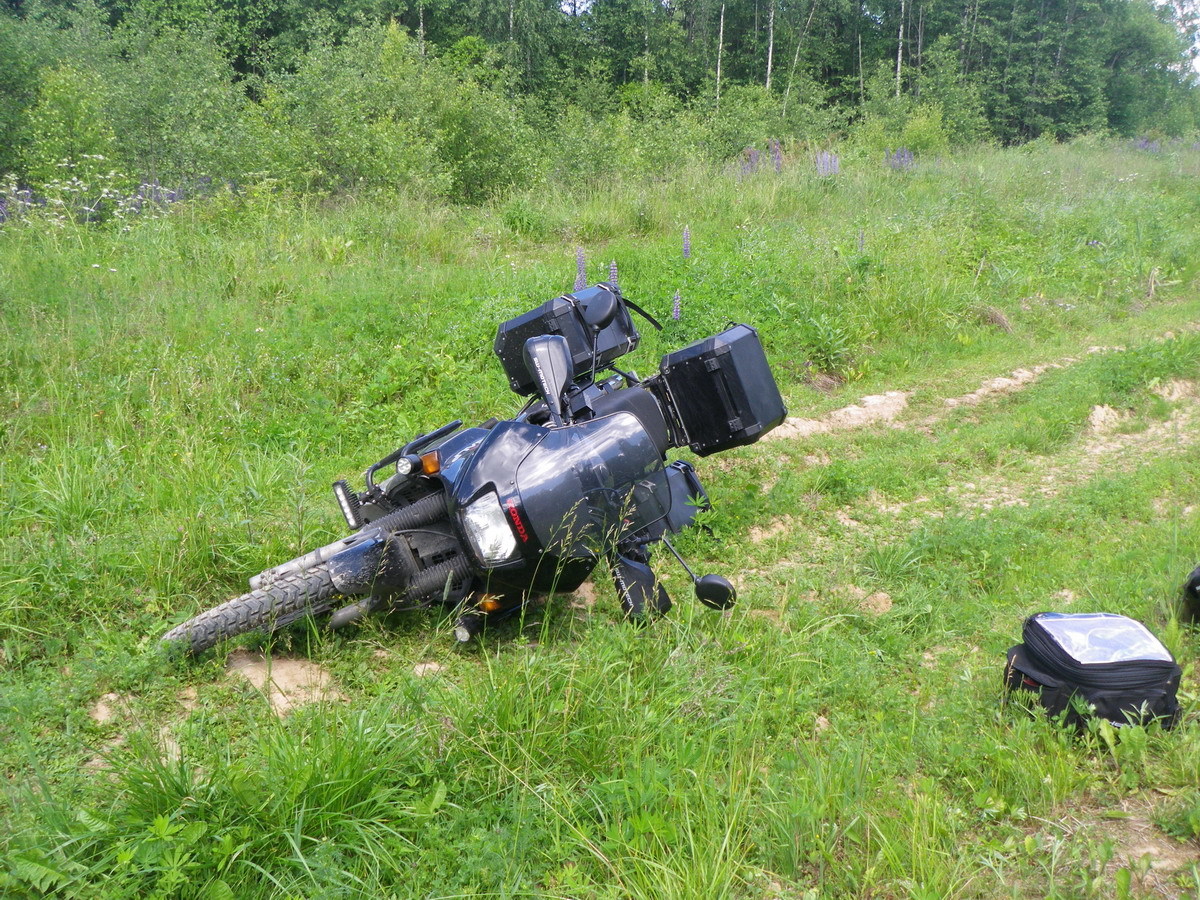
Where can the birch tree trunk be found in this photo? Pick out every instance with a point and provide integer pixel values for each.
(646, 46)
(720, 43)
(796, 58)
(900, 49)
(862, 82)
(770, 42)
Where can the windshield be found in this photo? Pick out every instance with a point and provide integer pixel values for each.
(589, 485)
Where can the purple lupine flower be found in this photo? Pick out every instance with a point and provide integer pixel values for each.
(902, 160)
(23, 199)
(26, 200)
(777, 155)
(750, 162)
(612, 273)
(676, 307)
(580, 269)
(828, 164)
(687, 243)
(1144, 143)
(862, 241)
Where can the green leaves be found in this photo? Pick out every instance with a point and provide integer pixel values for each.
(72, 135)
(37, 870)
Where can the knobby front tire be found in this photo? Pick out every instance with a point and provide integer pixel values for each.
(283, 601)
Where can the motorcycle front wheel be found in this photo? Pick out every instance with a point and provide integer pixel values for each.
(273, 606)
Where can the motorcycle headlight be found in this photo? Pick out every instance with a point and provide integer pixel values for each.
(488, 530)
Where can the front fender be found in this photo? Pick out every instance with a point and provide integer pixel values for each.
(377, 564)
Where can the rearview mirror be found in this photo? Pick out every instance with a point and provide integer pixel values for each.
(715, 592)
(600, 310)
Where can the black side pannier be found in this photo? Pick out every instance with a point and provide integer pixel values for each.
(720, 392)
(564, 315)
(1095, 664)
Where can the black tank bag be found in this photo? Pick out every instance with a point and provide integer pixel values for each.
(1095, 664)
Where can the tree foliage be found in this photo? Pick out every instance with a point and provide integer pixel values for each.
(467, 97)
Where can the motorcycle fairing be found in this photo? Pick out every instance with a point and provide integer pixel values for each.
(492, 468)
(592, 484)
(455, 451)
(572, 488)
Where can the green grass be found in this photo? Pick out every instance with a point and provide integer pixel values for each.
(171, 427)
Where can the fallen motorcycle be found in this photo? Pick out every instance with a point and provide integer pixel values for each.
(477, 519)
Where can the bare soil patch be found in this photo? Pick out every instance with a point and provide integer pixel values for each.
(1104, 449)
(1173, 434)
(1020, 378)
(774, 528)
(188, 699)
(117, 707)
(108, 708)
(771, 614)
(1154, 857)
(1103, 419)
(869, 410)
(1176, 390)
(877, 603)
(887, 407)
(584, 596)
(287, 683)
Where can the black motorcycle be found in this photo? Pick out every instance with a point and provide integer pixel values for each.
(477, 519)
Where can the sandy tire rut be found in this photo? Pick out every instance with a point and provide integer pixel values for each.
(1104, 446)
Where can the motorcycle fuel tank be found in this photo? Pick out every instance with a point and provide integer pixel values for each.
(590, 485)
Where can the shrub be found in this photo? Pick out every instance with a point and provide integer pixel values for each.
(178, 113)
(373, 112)
(18, 92)
(481, 140)
(68, 126)
(748, 115)
(924, 131)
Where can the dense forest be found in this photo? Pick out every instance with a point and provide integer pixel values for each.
(465, 98)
